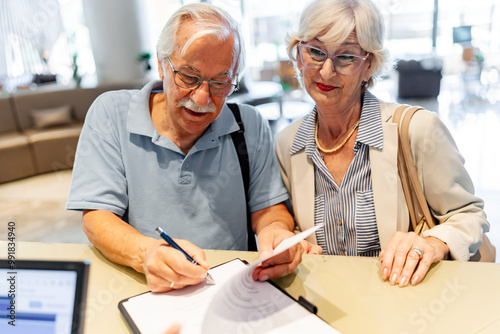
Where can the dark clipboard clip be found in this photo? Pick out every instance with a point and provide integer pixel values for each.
(309, 306)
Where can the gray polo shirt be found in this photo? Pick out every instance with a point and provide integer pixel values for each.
(124, 166)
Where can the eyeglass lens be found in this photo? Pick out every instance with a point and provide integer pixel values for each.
(217, 88)
(345, 64)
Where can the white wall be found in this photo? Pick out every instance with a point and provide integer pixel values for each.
(118, 34)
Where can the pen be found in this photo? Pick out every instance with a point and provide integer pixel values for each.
(172, 243)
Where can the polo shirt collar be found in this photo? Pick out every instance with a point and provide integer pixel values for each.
(370, 127)
(138, 117)
(225, 123)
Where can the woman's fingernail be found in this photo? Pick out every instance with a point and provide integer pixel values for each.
(385, 273)
(414, 280)
(403, 281)
(394, 279)
(264, 278)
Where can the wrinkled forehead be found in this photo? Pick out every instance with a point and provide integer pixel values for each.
(350, 40)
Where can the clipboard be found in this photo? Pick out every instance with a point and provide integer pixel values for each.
(257, 307)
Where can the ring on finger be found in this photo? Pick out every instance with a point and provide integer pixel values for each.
(419, 251)
(172, 285)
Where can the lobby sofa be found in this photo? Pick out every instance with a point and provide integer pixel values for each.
(39, 130)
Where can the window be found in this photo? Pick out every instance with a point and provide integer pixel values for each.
(42, 40)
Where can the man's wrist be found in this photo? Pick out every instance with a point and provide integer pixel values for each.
(144, 248)
(280, 225)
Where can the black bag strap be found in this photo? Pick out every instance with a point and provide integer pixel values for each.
(241, 149)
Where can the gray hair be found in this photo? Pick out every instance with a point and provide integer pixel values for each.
(207, 20)
(335, 20)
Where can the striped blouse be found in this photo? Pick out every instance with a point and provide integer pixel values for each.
(348, 209)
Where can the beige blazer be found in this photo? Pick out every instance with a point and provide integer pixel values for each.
(447, 185)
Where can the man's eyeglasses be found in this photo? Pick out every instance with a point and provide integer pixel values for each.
(344, 63)
(191, 81)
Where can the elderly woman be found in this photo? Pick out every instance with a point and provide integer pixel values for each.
(339, 162)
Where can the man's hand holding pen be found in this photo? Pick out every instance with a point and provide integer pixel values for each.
(166, 268)
(168, 264)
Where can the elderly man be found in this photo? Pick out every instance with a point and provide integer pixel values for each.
(164, 156)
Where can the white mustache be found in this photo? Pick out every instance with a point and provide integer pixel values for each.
(188, 103)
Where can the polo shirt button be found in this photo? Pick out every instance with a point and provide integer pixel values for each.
(186, 165)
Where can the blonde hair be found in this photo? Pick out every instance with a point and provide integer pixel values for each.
(335, 20)
(207, 20)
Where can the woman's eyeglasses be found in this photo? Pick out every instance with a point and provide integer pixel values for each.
(344, 63)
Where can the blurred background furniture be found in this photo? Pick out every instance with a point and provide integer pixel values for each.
(257, 92)
(39, 130)
(15, 154)
(419, 78)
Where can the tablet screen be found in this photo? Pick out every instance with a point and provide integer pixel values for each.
(45, 300)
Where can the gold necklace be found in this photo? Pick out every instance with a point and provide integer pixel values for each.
(335, 149)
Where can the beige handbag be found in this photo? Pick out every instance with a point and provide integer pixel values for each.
(413, 189)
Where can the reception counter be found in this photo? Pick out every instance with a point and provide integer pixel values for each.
(455, 297)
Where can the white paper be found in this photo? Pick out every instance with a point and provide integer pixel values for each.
(287, 243)
(246, 306)
(235, 304)
(155, 312)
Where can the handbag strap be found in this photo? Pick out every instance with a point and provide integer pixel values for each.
(403, 173)
(410, 171)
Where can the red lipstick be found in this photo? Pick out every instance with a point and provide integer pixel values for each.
(325, 88)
